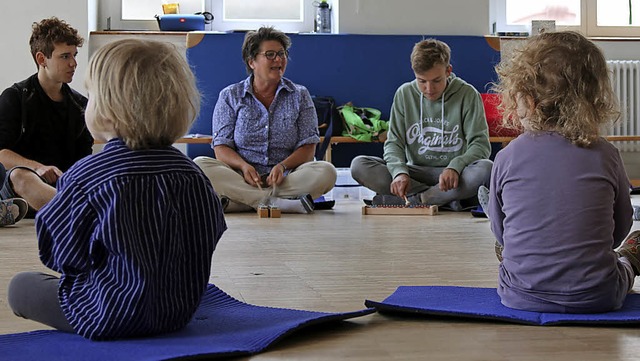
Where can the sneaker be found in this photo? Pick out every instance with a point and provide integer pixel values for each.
(483, 199)
(383, 200)
(455, 206)
(478, 212)
(629, 250)
(12, 210)
(307, 203)
(224, 202)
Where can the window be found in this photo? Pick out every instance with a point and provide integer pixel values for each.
(258, 10)
(613, 18)
(591, 17)
(285, 15)
(564, 12)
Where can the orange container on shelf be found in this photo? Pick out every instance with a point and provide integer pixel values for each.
(171, 8)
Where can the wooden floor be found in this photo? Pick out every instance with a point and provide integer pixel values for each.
(333, 260)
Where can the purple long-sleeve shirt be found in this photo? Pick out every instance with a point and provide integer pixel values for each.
(559, 210)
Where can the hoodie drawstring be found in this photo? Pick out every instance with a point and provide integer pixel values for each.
(441, 117)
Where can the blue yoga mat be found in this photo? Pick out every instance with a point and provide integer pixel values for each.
(484, 303)
(222, 326)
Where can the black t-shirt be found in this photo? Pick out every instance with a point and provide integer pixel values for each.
(57, 127)
(37, 128)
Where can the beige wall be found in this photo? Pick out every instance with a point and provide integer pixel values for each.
(15, 27)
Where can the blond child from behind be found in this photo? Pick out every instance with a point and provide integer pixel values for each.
(132, 229)
(559, 200)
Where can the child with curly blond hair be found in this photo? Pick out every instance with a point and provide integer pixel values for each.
(559, 203)
(131, 229)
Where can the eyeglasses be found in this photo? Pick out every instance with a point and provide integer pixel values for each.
(271, 54)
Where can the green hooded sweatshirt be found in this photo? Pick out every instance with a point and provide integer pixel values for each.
(451, 133)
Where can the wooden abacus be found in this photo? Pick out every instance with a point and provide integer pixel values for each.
(413, 210)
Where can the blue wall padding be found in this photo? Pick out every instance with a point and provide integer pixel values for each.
(363, 69)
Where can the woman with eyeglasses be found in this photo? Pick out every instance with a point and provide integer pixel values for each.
(265, 131)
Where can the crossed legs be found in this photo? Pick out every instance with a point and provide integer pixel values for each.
(25, 183)
(372, 173)
(313, 178)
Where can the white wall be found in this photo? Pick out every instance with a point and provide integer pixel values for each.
(428, 17)
(15, 27)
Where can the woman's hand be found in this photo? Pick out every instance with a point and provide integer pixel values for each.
(276, 176)
(251, 176)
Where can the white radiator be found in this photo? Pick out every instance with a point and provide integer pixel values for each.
(625, 78)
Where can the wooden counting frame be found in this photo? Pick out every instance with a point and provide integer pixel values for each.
(400, 210)
(268, 212)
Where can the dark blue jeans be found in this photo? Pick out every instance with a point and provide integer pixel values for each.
(3, 173)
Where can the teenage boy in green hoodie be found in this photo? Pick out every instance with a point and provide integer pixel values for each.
(437, 147)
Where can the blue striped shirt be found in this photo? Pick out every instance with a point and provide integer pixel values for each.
(132, 234)
(265, 137)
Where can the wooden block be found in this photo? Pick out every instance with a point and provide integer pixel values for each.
(400, 211)
(263, 212)
(274, 212)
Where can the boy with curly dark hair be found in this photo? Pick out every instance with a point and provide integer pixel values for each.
(42, 127)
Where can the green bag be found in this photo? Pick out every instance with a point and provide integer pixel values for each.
(363, 124)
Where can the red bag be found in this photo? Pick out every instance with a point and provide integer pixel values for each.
(494, 117)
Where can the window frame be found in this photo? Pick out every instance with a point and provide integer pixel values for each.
(588, 22)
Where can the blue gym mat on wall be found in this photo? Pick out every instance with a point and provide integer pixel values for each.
(363, 69)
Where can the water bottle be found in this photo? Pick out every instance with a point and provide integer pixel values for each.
(323, 17)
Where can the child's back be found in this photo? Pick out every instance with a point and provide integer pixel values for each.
(146, 224)
(564, 209)
(559, 201)
(132, 229)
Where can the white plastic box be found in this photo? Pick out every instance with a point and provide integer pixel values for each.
(347, 188)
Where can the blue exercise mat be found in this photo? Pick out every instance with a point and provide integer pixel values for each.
(222, 326)
(484, 303)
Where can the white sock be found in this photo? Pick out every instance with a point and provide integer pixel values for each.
(300, 205)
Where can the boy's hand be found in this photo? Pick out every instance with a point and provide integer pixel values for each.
(448, 180)
(400, 185)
